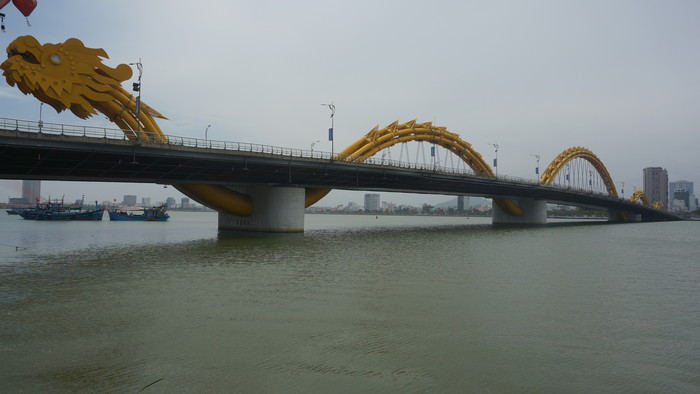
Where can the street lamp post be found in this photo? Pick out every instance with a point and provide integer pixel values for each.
(495, 158)
(331, 106)
(41, 122)
(312, 146)
(137, 88)
(623, 189)
(206, 131)
(537, 168)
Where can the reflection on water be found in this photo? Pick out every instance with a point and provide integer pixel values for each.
(356, 304)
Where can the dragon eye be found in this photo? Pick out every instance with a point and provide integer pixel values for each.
(55, 58)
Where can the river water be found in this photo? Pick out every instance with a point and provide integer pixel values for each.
(356, 304)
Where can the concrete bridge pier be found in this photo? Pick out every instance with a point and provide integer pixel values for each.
(276, 209)
(534, 212)
(624, 217)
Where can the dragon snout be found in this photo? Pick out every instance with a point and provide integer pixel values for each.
(26, 56)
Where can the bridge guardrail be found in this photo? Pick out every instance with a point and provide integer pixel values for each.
(118, 134)
(106, 133)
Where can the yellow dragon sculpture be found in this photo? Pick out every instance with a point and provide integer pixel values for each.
(71, 76)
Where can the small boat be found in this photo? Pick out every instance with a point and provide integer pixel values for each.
(145, 214)
(15, 211)
(57, 211)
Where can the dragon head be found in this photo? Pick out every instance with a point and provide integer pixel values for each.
(66, 75)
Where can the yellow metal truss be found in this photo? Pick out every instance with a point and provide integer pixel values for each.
(639, 195)
(573, 153)
(378, 139)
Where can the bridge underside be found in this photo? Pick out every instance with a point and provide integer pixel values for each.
(57, 157)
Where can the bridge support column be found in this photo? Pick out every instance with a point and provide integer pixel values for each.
(624, 217)
(534, 212)
(276, 209)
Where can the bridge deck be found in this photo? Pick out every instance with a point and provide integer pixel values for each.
(44, 156)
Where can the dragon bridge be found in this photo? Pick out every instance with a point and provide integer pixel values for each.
(70, 76)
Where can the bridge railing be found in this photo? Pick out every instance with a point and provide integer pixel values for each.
(61, 129)
(106, 133)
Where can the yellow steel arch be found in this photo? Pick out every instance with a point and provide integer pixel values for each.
(378, 139)
(573, 153)
(639, 195)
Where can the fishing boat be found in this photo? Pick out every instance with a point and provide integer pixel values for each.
(15, 211)
(54, 210)
(145, 214)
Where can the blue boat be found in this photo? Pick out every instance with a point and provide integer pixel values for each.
(15, 211)
(151, 214)
(57, 211)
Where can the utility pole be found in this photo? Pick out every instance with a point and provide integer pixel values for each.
(331, 106)
(537, 169)
(495, 159)
(137, 88)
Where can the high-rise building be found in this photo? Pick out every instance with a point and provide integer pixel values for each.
(129, 200)
(680, 186)
(656, 185)
(680, 200)
(185, 203)
(372, 202)
(462, 203)
(170, 202)
(31, 191)
(145, 201)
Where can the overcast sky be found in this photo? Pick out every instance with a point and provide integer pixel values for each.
(621, 78)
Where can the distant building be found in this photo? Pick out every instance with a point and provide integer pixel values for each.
(656, 185)
(681, 200)
(17, 201)
(185, 203)
(31, 191)
(170, 202)
(682, 186)
(372, 202)
(461, 206)
(146, 201)
(129, 200)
